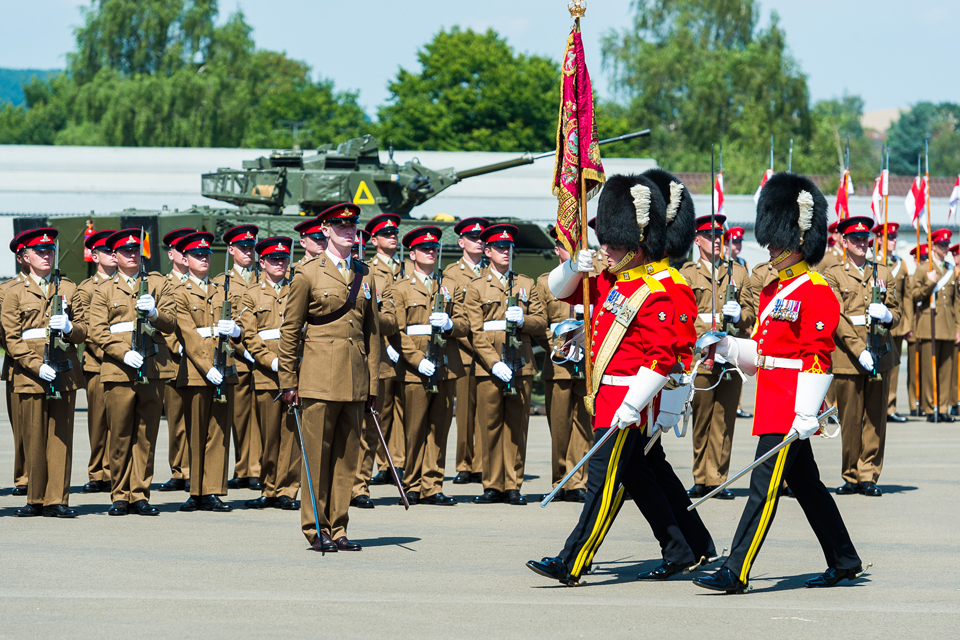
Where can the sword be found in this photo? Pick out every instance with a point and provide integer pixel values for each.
(550, 496)
(652, 441)
(295, 410)
(756, 463)
(393, 469)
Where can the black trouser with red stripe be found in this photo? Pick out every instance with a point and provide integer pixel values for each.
(796, 465)
(620, 461)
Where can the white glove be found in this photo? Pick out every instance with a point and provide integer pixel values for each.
(811, 389)
(805, 426)
(214, 376)
(147, 303)
(502, 371)
(585, 260)
(880, 312)
(625, 416)
(515, 315)
(275, 365)
(133, 359)
(866, 360)
(392, 354)
(426, 367)
(61, 322)
(47, 373)
(565, 278)
(442, 320)
(646, 384)
(731, 309)
(246, 354)
(228, 328)
(743, 351)
(672, 404)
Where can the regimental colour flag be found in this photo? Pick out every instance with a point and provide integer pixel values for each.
(880, 189)
(844, 191)
(578, 166)
(954, 198)
(763, 181)
(916, 202)
(718, 193)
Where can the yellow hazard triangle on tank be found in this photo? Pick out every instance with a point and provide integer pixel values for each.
(363, 195)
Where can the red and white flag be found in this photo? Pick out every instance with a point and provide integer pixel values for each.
(880, 189)
(845, 190)
(763, 181)
(916, 202)
(954, 198)
(718, 193)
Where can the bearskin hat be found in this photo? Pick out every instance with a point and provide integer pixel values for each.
(619, 212)
(680, 213)
(792, 213)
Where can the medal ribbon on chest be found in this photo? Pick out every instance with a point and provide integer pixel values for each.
(788, 310)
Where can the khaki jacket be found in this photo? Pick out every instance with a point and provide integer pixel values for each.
(92, 354)
(170, 339)
(854, 292)
(899, 274)
(263, 309)
(7, 359)
(385, 278)
(199, 310)
(556, 311)
(486, 301)
(341, 359)
(919, 288)
(460, 274)
(25, 307)
(762, 275)
(832, 256)
(115, 302)
(238, 287)
(700, 279)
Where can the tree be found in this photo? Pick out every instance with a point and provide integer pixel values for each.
(473, 93)
(926, 121)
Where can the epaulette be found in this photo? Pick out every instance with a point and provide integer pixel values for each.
(677, 278)
(817, 278)
(654, 285)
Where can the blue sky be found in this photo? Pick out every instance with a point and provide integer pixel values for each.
(890, 53)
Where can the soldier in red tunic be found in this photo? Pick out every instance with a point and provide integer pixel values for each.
(790, 354)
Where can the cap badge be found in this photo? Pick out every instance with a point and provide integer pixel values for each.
(429, 236)
(203, 243)
(45, 238)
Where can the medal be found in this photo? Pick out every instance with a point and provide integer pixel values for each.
(366, 290)
(523, 295)
(446, 294)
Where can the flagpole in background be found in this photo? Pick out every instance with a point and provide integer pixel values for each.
(885, 192)
(916, 217)
(933, 296)
(789, 157)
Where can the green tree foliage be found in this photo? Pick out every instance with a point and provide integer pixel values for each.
(940, 123)
(473, 93)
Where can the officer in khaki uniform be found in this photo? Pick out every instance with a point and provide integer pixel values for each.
(834, 252)
(430, 370)
(565, 388)
(98, 469)
(860, 369)
(312, 240)
(922, 285)
(179, 441)
(47, 424)
(6, 374)
(913, 360)
(904, 328)
(199, 327)
(503, 388)
(718, 391)
(333, 295)
(263, 307)
(132, 380)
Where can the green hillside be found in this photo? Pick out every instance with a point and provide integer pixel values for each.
(11, 82)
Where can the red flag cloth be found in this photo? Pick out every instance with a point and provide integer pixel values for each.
(876, 201)
(954, 199)
(763, 181)
(578, 151)
(842, 207)
(916, 202)
(718, 193)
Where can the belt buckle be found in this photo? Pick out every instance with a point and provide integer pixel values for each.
(761, 362)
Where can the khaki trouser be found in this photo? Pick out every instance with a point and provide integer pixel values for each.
(280, 460)
(177, 429)
(133, 414)
(944, 352)
(571, 433)
(99, 466)
(502, 425)
(208, 425)
(863, 417)
(392, 423)
(48, 445)
(428, 417)
(331, 445)
(370, 449)
(468, 458)
(894, 375)
(246, 433)
(714, 419)
(912, 370)
(19, 455)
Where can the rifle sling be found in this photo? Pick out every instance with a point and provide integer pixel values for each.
(333, 316)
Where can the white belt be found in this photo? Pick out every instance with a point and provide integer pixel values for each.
(769, 362)
(617, 381)
(34, 334)
(205, 332)
(269, 334)
(858, 321)
(122, 327)
(419, 329)
(708, 317)
(495, 325)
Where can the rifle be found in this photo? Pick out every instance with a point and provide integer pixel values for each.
(730, 294)
(142, 328)
(437, 341)
(877, 330)
(508, 352)
(223, 342)
(55, 343)
(712, 351)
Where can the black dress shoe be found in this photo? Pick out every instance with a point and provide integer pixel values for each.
(30, 511)
(561, 495)
(490, 496)
(744, 414)
(19, 490)
(119, 508)
(412, 498)
(213, 503)
(848, 489)
(663, 571)
(553, 568)
(190, 505)
(238, 483)
(832, 576)
(400, 473)
(382, 477)
(173, 484)
(462, 477)
(476, 478)
(288, 504)
(362, 502)
(438, 499)
(721, 495)
(514, 497)
(59, 511)
(263, 502)
(255, 484)
(954, 410)
(722, 580)
(575, 495)
(697, 491)
(896, 417)
(92, 487)
(144, 508)
(870, 489)
(324, 544)
(346, 545)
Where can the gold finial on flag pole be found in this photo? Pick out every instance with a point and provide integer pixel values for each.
(577, 8)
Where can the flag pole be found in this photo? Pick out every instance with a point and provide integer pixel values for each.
(576, 12)
(933, 296)
(917, 257)
(789, 158)
(843, 186)
(885, 192)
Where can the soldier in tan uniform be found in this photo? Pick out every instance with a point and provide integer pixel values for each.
(333, 295)
(263, 307)
(834, 253)
(503, 383)
(913, 359)
(430, 369)
(565, 388)
(207, 392)
(179, 441)
(312, 239)
(718, 390)
(904, 328)
(47, 423)
(19, 459)
(133, 380)
(861, 368)
(241, 242)
(98, 469)
(461, 273)
(922, 286)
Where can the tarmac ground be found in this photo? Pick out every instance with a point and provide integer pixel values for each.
(459, 571)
